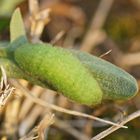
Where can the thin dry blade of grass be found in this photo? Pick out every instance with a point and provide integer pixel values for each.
(95, 35)
(37, 132)
(56, 108)
(114, 128)
(27, 104)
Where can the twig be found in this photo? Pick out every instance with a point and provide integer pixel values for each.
(28, 122)
(37, 132)
(38, 19)
(27, 104)
(11, 114)
(57, 37)
(101, 14)
(33, 6)
(5, 89)
(94, 34)
(54, 107)
(114, 128)
(4, 77)
(45, 123)
(106, 53)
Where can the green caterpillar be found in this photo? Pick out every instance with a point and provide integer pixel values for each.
(79, 76)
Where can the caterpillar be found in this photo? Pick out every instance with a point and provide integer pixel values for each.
(81, 77)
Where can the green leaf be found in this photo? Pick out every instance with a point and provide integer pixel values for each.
(17, 29)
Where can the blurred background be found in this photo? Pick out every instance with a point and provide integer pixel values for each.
(106, 28)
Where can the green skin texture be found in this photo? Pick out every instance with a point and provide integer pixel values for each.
(81, 77)
(58, 69)
(115, 83)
